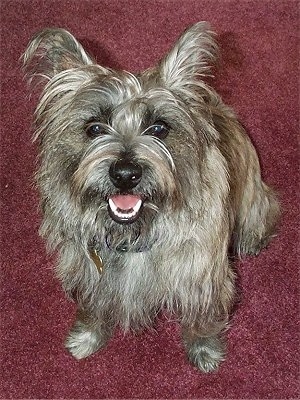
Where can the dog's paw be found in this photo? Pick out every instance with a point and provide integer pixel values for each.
(83, 342)
(253, 245)
(206, 353)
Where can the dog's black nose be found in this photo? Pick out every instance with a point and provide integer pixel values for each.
(125, 174)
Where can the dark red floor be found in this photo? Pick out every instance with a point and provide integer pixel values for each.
(259, 77)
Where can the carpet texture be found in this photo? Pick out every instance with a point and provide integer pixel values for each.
(258, 75)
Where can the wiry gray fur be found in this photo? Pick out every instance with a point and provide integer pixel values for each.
(201, 187)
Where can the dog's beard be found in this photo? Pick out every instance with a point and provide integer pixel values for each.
(123, 220)
(135, 237)
(104, 230)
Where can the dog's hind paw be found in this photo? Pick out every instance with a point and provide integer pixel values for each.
(206, 353)
(82, 342)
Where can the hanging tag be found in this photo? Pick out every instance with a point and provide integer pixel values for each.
(97, 260)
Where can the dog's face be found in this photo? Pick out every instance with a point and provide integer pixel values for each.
(122, 148)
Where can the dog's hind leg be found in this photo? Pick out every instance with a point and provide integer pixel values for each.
(257, 217)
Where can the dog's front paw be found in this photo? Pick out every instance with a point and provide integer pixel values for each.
(206, 353)
(83, 341)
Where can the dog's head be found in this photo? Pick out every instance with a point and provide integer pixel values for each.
(121, 148)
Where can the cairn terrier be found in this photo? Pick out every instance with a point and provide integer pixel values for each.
(146, 181)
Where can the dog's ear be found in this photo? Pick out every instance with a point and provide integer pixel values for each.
(191, 57)
(52, 51)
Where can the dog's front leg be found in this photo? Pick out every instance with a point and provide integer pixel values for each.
(205, 350)
(88, 334)
(202, 337)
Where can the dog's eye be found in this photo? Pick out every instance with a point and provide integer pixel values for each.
(159, 129)
(95, 129)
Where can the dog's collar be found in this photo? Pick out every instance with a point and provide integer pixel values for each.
(124, 247)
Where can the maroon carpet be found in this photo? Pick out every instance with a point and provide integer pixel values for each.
(258, 76)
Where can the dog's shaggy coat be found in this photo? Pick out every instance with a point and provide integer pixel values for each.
(151, 178)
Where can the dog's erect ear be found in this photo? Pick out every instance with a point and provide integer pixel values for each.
(52, 51)
(191, 57)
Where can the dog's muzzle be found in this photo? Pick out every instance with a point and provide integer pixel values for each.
(124, 207)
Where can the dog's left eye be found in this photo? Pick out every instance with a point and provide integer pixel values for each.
(158, 129)
(95, 129)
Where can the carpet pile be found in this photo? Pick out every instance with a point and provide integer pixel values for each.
(258, 76)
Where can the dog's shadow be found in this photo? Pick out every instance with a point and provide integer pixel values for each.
(230, 62)
(100, 54)
(231, 52)
(230, 65)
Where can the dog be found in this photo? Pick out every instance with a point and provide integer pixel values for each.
(146, 181)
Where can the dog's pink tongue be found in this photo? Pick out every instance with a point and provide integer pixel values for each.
(125, 201)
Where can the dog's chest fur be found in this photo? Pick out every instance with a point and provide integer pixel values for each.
(140, 284)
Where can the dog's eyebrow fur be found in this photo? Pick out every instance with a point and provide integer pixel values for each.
(102, 116)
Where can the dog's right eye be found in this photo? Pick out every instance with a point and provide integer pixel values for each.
(95, 129)
(159, 129)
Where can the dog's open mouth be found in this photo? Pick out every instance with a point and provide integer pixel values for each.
(125, 208)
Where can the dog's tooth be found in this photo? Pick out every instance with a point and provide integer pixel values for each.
(112, 205)
(137, 206)
(119, 214)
